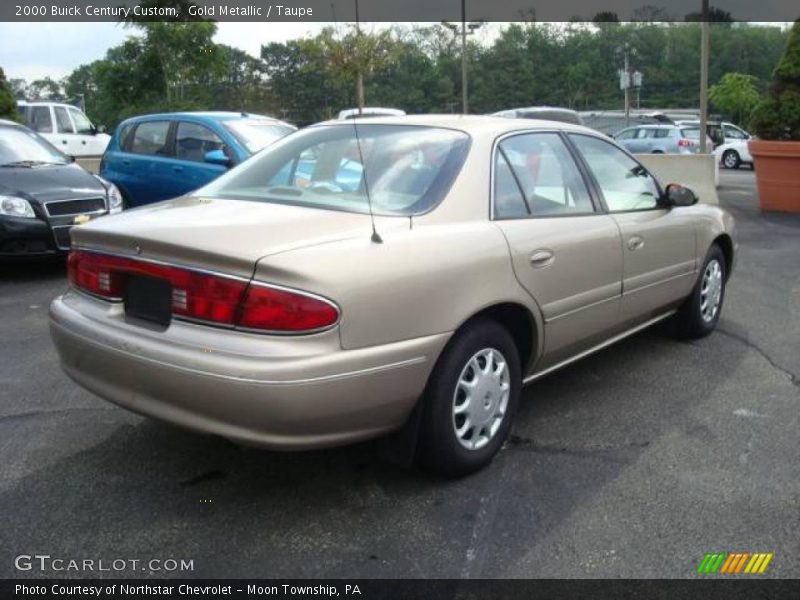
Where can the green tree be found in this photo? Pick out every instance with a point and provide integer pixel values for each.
(356, 54)
(735, 95)
(777, 116)
(8, 105)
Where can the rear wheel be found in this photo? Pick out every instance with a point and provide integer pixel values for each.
(700, 312)
(731, 159)
(470, 400)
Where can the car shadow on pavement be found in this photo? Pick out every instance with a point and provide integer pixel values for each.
(29, 270)
(121, 486)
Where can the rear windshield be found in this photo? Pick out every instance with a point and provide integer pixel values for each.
(405, 169)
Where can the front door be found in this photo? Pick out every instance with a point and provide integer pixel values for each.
(658, 243)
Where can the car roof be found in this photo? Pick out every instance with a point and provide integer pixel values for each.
(473, 124)
(45, 103)
(217, 115)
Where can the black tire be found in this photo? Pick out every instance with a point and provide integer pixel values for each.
(731, 159)
(440, 449)
(690, 319)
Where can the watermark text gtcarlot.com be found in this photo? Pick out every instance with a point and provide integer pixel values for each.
(57, 564)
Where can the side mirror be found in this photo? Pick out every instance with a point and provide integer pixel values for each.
(678, 195)
(217, 157)
(100, 129)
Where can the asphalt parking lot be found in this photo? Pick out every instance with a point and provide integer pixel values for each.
(634, 462)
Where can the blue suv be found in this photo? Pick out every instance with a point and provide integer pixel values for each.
(157, 157)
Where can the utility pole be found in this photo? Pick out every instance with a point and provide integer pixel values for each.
(465, 30)
(627, 77)
(359, 75)
(704, 51)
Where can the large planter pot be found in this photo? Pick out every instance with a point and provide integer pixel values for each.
(777, 166)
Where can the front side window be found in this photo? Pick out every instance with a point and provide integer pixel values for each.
(82, 124)
(405, 169)
(734, 133)
(62, 118)
(192, 141)
(150, 137)
(625, 184)
(546, 174)
(626, 134)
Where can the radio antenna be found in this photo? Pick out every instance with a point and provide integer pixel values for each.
(375, 235)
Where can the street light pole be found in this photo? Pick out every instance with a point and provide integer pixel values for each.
(704, 51)
(465, 30)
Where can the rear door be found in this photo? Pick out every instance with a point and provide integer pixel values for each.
(146, 167)
(658, 243)
(67, 140)
(564, 251)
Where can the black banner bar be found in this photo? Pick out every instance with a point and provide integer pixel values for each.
(711, 588)
(391, 10)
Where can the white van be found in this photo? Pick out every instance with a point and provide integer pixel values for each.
(64, 126)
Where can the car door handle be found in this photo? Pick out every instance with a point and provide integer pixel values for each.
(63, 141)
(83, 142)
(126, 162)
(177, 168)
(542, 258)
(635, 242)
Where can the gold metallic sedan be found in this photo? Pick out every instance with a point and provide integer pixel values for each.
(403, 274)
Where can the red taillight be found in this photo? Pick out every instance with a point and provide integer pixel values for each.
(205, 296)
(684, 143)
(276, 309)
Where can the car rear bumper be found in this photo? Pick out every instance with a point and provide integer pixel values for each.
(284, 393)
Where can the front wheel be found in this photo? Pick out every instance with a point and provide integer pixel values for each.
(700, 312)
(731, 159)
(470, 400)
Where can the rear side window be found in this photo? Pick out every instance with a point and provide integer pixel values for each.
(192, 141)
(150, 137)
(40, 120)
(62, 119)
(663, 133)
(546, 174)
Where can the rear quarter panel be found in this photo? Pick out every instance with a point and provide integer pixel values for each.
(418, 282)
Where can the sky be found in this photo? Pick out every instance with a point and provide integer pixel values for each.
(35, 50)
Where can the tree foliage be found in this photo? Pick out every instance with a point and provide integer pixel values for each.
(8, 105)
(177, 66)
(777, 116)
(735, 95)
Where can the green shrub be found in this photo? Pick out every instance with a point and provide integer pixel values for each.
(777, 115)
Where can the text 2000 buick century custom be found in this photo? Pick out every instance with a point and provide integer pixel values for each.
(263, 307)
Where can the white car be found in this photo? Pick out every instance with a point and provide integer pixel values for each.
(733, 154)
(65, 126)
(370, 111)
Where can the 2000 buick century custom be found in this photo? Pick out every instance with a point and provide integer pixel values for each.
(270, 306)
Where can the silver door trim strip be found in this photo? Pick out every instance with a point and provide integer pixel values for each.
(597, 348)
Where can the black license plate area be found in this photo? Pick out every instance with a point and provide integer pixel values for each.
(148, 299)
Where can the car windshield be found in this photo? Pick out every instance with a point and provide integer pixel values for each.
(19, 147)
(256, 134)
(408, 170)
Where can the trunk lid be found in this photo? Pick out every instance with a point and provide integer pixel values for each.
(228, 236)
